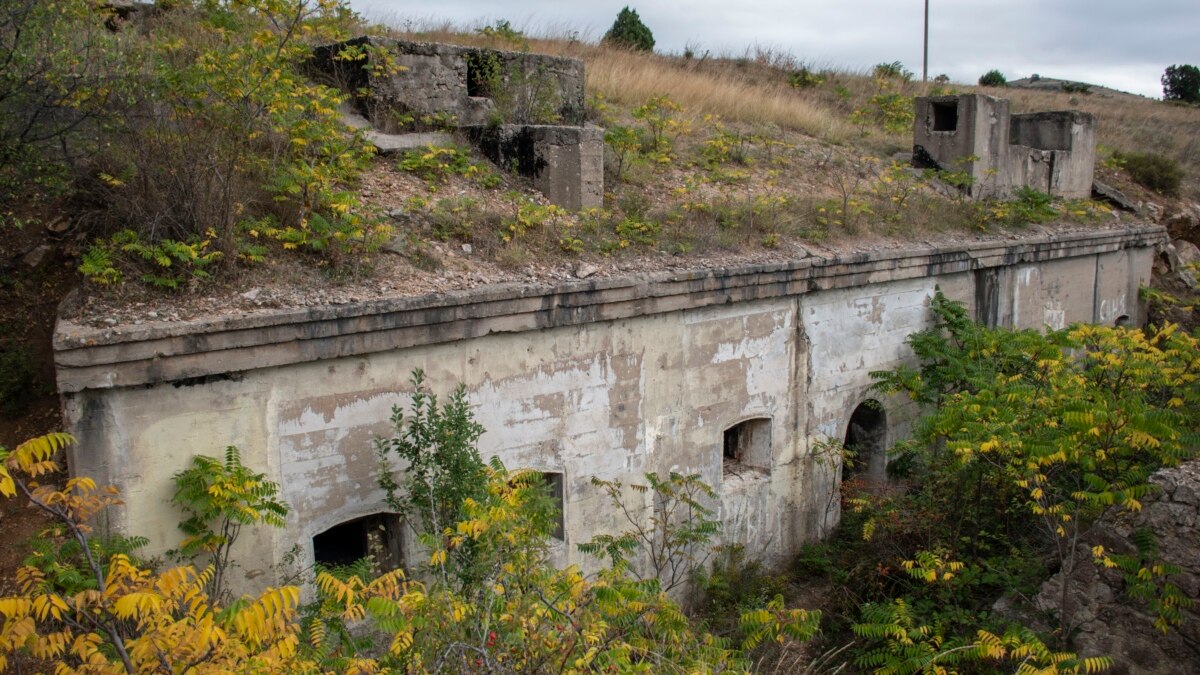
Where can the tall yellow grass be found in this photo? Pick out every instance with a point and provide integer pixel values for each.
(630, 78)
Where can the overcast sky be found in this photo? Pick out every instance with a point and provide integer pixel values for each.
(1125, 45)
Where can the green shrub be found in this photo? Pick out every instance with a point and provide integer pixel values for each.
(735, 582)
(894, 70)
(503, 30)
(166, 264)
(993, 78)
(59, 67)
(435, 165)
(629, 31)
(804, 78)
(1152, 170)
(1032, 206)
(1076, 88)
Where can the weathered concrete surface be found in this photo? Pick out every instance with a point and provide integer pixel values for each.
(565, 163)
(965, 133)
(609, 378)
(1053, 152)
(454, 80)
(525, 111)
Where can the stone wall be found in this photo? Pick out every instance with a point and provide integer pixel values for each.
(1111, 623)
(608, 377)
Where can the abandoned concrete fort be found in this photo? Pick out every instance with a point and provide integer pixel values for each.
(740, 374)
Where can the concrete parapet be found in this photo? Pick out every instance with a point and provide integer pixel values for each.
(965, 133)
(1054, 152)
(100, 358)
(523, 110)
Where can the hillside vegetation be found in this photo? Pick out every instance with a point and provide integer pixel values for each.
(196, 151)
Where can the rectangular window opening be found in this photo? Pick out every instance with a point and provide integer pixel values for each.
(945, 116)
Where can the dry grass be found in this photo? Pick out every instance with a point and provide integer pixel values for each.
(628, 78)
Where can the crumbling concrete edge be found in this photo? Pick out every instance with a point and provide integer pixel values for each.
(98, 358)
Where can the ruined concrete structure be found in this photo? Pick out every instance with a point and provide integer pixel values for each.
(525, 111)
(1053, 152)
(741, 375)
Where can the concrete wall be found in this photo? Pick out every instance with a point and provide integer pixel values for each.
(525, 111)
(609, 378)
(980, 131)
(565, 163)
(1053, 152)
(442, 78)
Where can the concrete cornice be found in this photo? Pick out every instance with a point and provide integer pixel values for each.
(97, 358)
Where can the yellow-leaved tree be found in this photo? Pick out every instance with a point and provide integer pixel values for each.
(123, 617)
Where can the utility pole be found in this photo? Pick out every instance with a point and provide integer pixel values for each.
(925, 64)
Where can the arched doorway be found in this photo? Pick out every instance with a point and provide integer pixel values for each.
(866, 438)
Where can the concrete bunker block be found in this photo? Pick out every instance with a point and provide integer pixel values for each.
(565, 163)
(457, 81)
(965, 133)
(1054, 152)
(1067, 142)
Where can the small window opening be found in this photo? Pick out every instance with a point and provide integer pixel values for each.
(945, 116)
(866, 443)
(555, 488)
(378, 536)
(482, 69)
(748, 445)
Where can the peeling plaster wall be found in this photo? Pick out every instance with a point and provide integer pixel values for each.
(606, 397)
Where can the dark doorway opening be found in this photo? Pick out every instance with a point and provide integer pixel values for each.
(378, 535)
(866, 439)
(483, 69)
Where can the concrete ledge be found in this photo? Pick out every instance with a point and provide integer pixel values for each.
(95, 358)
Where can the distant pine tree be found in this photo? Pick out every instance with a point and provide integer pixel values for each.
(629, 31)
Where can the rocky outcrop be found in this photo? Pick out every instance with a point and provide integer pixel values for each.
(1109, 622)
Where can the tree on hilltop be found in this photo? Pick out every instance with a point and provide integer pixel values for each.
(993, 78)
(1181, 83)
(629, 31)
